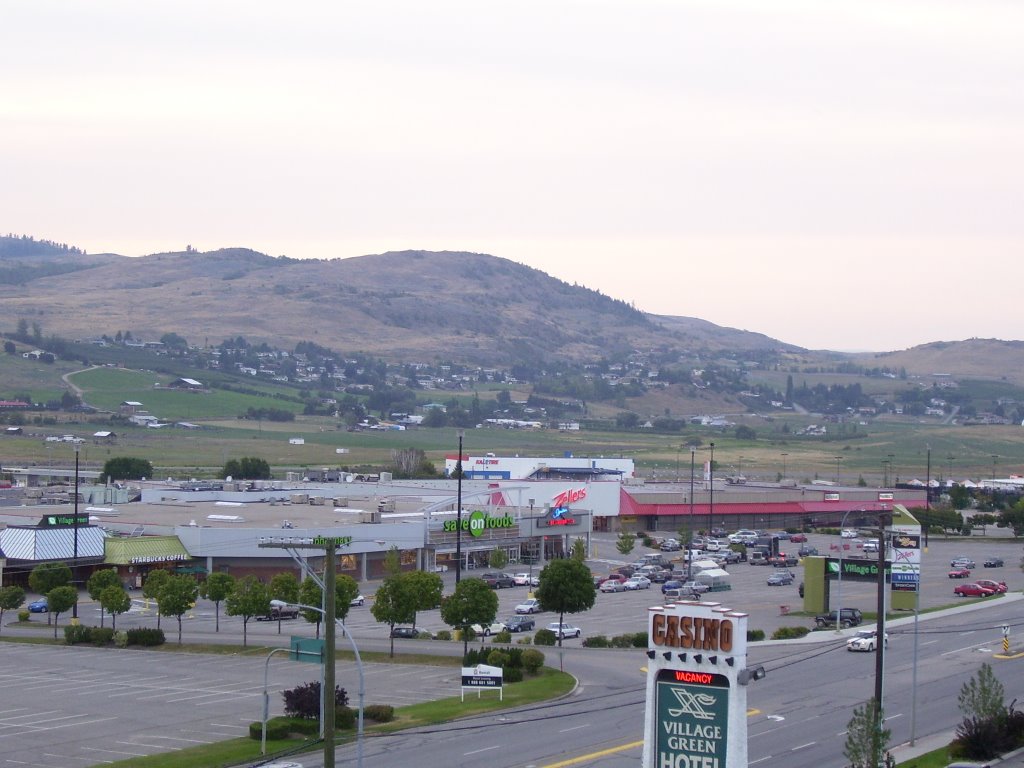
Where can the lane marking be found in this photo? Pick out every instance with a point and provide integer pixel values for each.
(478, 751)
(595, 755)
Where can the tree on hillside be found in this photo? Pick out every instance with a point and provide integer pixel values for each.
(249, 598)
(126, 468)
(11, 598)
(98, 582)
(247, 468)
(566, 586)
(216, 588)
(473, 602)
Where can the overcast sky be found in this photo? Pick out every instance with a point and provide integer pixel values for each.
(836, 174)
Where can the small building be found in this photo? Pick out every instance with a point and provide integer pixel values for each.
(129, 407)
(296, 441)
(104, 436)
(187, 384)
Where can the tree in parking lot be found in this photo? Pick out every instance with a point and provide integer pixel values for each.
(176, 596)
(427, 589)
(10, 598)
(625, 543)
(498, 559)
(59, 600)
(284, 586)
(249, 598)
(566, 586)
(47, 576)
(1013, 518)
(579, 550)
(155, 581)
(114, 600)
(216, 588)
(346, 589)
(473, 602)
(395, 603)
(99, 581)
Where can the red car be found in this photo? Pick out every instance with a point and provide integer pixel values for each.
(995, 586)
(799, 538)
(960, 573)
(972, 590)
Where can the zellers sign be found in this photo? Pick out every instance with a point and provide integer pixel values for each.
(568, 496)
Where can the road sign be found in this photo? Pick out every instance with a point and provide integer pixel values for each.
(692, 719)
(306, 649)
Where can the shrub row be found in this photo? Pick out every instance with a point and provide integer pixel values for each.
(76, 634)
(789, 633)
(146, 636)
(631, 640)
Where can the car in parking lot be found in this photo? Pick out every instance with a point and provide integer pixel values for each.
(743, 536)
(659, 576)
(798, 538)
(564, 630)
(497, 580)
(39, 606)
(520, 624)
(972, 590)
(525, 580)
(670, 545)
(782, 560)
(848, 617)
(490, 629)
(807, 551)
(694, 588)
(848, 533)
(613, 585)
(671, 584)
(358, 600)
(528, 606)
(962, 562)
(637, 582)
(998, 587)
(959, 573)
(409, 632)
(866, 640)
(780, 579)
(278, 610)
(993, 562)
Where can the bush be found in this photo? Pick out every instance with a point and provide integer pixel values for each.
(146, 636)
(472, 658)
(497, 658)
(121, 639)
(524, 640)
(789, 633)
(596, 641)
(344, 716)
(277, 728)
(444, 634)
(755, 634)
(379, 713)
(100, 636)
(639, 639)
(545, 637)
(74, 634)
(533, 660)
(985, 738)
(24, 615)
(503, 637)
(512, 675)
(304, 700)
(515, 658)
(305, 727)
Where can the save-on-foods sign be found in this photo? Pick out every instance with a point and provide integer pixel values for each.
(692, 719)
(478, 522)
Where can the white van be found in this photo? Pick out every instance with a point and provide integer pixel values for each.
(871, 546)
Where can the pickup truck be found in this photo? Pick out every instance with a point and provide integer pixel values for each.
(782, 560)
(280, 610)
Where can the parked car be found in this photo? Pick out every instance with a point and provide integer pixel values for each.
(743, 536)
(660, 576)
(671, 584)
(798, 538)
(849, 617)
(996, 586)
(358, 600)
(782, 560)
(520, 624)
(782, 535)
(807, 551)
(866, 640)
(613, 585)
(993, 562)
(694, 588)
(972, 590)
(637, 582)
(848, 533)
(528, 606)
(564, 630)
(730, 556)
(871, 546)
(409, 632)
(279, 609)
(39, 606)
(525, 580)
(960, 573)
(615, 577)
(496, 580)
(780, 579)
(490, 629)
(962, 562)
(670, 545)
(714, 545)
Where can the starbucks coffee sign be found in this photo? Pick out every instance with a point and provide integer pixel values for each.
(478, 522)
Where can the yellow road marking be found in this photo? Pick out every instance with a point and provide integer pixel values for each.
(595, 755)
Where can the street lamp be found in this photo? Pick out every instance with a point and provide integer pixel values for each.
(711, 490)
(458, 512)
(689, 527)
(995, 458)
(784, 465)
(74, 567)
(892, 467)
(838, 459)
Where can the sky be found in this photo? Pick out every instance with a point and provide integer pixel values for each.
(836, 174)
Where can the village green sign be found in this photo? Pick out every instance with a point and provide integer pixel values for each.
(692, 719)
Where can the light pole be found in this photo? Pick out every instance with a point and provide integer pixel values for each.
(839, 578)
(711, 490)
(74, 561)
(892, 467)
(880, 634)
(995, 458)
(689, 527)
(458, 512)
(784, 465)
(838, 459)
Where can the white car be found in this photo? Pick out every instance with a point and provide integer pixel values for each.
(865, 640)
(713, 545)
(358, 600)
(848, 533)
(487, 631)
(637, 582)
(564, 630)
(529, 606)
(525, 580)
(743, 536)
(613, 585)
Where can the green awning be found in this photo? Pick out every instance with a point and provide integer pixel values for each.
(145, 550)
